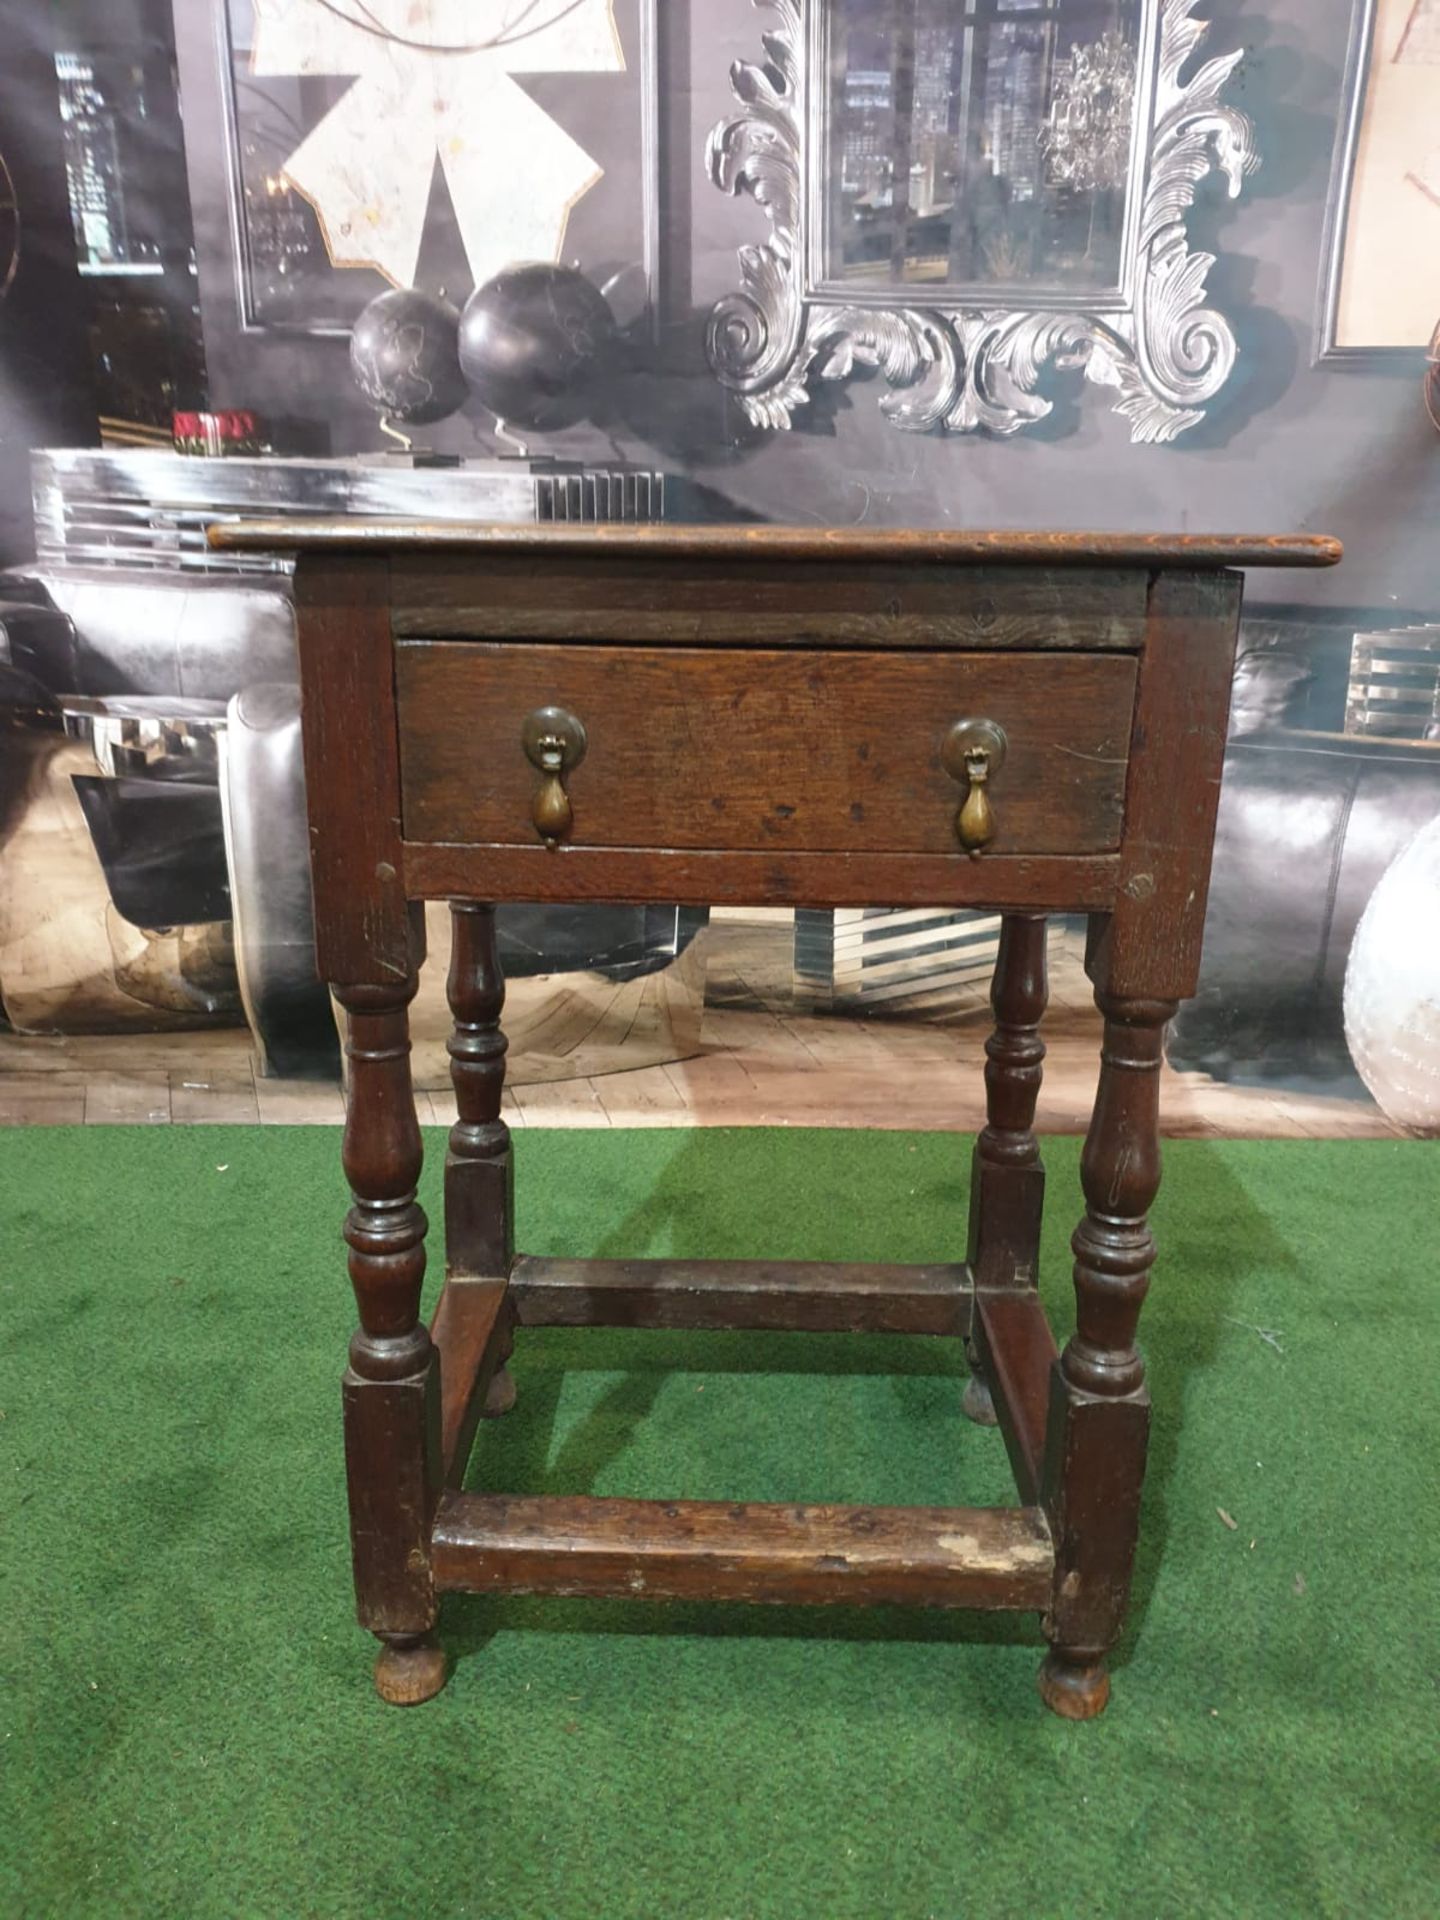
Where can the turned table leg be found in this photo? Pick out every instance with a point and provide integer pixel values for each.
(1099, 1410)
(479, 1166)
(1007, 1181)
(391, 1389)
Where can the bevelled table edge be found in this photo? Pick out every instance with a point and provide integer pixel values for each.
(841, 545)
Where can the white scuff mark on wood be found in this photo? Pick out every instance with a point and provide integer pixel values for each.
(972, 1552)
(1099, 759)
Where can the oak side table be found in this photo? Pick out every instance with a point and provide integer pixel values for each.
(1030, 723)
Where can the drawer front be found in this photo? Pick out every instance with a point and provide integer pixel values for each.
(812, 603)
(800, 751)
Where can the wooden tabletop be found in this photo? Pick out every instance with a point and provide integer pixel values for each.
(934, 546)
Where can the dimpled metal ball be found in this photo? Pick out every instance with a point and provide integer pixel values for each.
(403, 353)
(535, 345)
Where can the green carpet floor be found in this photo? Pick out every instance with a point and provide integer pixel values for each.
(188, 1725)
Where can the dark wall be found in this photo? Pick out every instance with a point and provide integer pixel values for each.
(300, 383)
(1287, 446)
(46, 392)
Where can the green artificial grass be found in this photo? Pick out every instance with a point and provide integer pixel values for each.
(188, 1721)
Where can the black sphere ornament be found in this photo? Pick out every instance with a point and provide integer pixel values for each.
(404, 355)
(536, 343)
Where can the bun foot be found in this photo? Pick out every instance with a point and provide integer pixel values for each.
(1076, 1689)
(499, 1395)
(409, 1671)
(977, 1404)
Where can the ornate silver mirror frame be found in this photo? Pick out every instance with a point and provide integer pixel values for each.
(960, 365)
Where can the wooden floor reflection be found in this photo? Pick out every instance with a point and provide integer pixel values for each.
(758, 1060)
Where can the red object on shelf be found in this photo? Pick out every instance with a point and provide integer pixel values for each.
(233, 430)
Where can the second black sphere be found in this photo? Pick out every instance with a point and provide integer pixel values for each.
(535, 345)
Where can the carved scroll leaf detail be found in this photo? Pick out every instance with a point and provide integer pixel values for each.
(970, 369)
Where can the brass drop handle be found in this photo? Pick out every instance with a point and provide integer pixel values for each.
(554, 743)
(973, 753)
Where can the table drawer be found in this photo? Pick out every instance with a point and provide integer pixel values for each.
(749, 749)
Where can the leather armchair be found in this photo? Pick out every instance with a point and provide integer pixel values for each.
(1308, 824)
(117, 912)
(265, 827)
(220, 653)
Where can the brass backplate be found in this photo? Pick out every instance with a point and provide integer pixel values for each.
(969, 737)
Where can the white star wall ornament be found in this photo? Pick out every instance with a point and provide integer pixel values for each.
(513, 172)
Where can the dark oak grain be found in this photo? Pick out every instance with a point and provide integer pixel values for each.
(1007, 1181)
(391, 1388)
(795, 752)
(697, 1549)
(776, 1296)
(479, 1164)
(765, 708)
(1177, 753)
(1081, 882)
(1017, 1353)
(504, 596)
(471, 1332)
(751, 544)
(364, 929)
(1099, 1420)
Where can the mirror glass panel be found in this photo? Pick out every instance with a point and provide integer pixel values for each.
(977, 144)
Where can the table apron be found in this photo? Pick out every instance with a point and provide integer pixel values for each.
(1036, 883)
